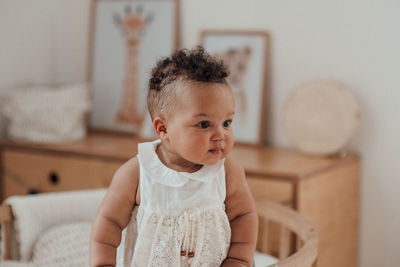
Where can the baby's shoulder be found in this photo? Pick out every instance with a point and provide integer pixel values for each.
(129, 167)
(128, 173)
(232, 166)
(234, 176)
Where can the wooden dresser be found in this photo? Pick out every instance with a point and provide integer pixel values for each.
(325, 190)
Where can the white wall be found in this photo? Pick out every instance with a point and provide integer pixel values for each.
(42, 41)
(356, 42)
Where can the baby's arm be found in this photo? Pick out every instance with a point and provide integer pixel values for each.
(114, 215)
(242, 216)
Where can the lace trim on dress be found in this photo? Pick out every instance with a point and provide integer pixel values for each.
(163, 237)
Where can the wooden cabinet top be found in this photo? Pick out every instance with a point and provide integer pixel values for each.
(264, 161)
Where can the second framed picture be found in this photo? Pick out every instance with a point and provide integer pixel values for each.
(246, 54)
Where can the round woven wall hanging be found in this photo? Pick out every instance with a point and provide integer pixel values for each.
(321, 117)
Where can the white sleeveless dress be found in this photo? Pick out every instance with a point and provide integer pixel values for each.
(179, 213)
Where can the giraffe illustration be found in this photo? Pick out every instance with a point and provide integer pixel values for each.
(237, 60)
(132, 26)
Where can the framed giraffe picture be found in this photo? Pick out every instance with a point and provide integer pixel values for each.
(246, 53)
(127, 38)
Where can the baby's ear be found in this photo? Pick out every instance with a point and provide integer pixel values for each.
(160, 127)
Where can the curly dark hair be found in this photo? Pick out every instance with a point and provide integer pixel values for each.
(189, 65)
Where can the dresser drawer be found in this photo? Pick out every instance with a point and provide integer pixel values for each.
(271, 189)
(43, 172)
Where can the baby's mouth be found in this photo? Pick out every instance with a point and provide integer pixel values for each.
(215, 151)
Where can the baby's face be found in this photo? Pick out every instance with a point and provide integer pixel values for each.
(199, 126)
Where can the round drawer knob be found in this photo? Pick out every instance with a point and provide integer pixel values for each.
(33, 191)
(54, 178)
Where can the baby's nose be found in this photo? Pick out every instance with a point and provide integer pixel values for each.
(218, 135)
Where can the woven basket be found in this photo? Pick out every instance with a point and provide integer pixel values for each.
(47, 115)
(321, 117)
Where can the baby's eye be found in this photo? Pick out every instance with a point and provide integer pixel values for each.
(204, 124)
(227, 123)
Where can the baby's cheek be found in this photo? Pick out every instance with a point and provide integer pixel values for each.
(192, 144)
(230, 140)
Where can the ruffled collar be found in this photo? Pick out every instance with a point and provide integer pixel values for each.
(157, 170)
